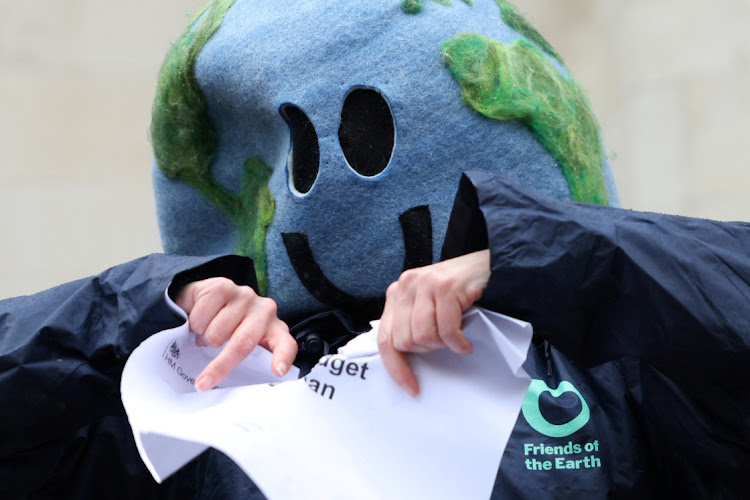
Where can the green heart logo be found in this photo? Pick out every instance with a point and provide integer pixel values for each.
(534, 417)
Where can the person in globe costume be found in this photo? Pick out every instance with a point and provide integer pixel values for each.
(346, 148)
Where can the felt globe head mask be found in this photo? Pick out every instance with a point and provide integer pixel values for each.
(325, 139)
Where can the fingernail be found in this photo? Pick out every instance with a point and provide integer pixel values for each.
(281, 368)
(204, 383)
(466, 346)
(411, 390)
(200, 341)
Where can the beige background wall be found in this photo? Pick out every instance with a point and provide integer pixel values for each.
(669, 80)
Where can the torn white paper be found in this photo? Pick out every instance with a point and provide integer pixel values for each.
(346, 416)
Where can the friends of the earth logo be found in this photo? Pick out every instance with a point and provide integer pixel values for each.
(568, 455)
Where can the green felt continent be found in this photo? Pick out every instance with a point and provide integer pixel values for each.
(415, 6)
(518, 82)
(185, 142)
(510, 16)
(255, 215)
(515, 20)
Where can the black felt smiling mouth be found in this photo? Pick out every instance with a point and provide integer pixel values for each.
(416, 225)
(367, 136)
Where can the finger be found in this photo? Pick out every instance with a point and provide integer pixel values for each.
(283, 346)
(397, 366)
(205, 308)
(394, 361)
(402, 304)
(185, 299)
(237, 348)
(385, 327)
(448, 313)
(223, 325)
(424, 329)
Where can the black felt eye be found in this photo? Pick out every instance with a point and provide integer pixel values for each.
(304, 159)
(367, 132)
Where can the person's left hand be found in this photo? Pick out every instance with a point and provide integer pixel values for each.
(423, 312)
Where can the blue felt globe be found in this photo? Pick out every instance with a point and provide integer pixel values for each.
(276, 72)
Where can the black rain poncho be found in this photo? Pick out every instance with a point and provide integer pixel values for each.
(642, 332)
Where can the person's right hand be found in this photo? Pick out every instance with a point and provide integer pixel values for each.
(221, 313)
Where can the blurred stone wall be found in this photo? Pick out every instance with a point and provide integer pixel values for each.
(669, 80)
(76, 83)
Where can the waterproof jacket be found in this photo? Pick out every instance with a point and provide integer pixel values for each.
(642, 332)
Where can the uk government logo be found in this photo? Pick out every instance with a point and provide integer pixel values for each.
(566, 455)
(174, 350)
